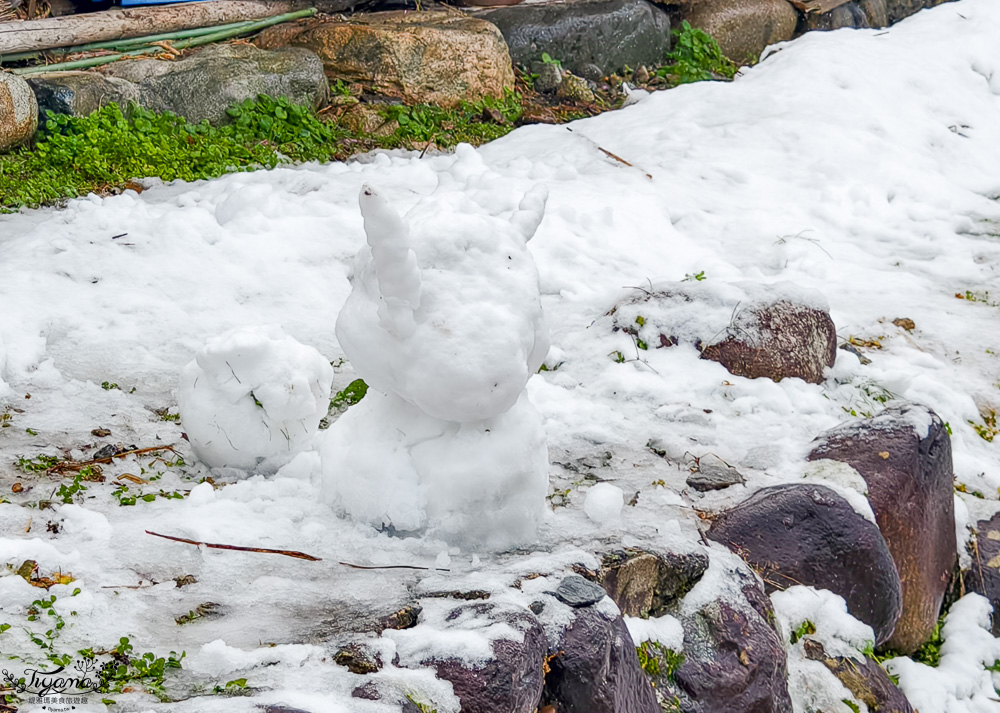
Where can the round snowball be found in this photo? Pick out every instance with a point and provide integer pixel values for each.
(604, 503)
(253, 398)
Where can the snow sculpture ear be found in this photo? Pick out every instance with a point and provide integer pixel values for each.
(530, 212)
(395, 263)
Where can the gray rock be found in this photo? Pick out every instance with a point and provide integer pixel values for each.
(646, 583)
(512, 680)
(207, 83)
(549, 77)
(82, 94)
(576, 591)
(854, 14)
(606, 34)
(899, 9)
(593, 667)
(808, 534)
(985, 575)
(575, 89)
(904, 455)
(714, 474)
(18, 111)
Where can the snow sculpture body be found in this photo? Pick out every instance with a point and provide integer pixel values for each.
(445, 324)
(253, 398)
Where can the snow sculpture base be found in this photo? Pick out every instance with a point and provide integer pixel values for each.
(444, 323)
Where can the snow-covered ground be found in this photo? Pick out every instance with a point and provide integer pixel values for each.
(862, 164)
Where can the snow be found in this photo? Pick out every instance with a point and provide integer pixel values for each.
(859, 164)
(960, 682)
(253, 398)
(665, 630)
(811, 684)
(604, 503)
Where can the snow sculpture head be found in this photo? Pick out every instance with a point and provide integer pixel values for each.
(253, 398)
(445, 324)
(459, 332)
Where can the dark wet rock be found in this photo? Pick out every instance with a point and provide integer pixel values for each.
(358, 658)
(754, 330)
(405, 618)
(589, 37)
(81, 94)
(646, 583)
(864, 678)
(985, 575)
(512, 680)
(714, 474)
(855, 14)
(593, 667)
(367, 691)
(778, 341)
(809, 534)
(743, 28)
(576, 591)
(734, 660)
(904, 455)
(204, 85)
(434, 57)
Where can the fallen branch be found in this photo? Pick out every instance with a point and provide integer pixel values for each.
(393, 566)
(71, 465)
(262, 550)
(614, 156)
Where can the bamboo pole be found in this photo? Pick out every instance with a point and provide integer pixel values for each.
(123, 23)
(182, 44)
(121, 45)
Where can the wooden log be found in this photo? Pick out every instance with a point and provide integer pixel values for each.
(123, 23)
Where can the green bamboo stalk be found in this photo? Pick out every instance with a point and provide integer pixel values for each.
(183, 44)
(123, 45)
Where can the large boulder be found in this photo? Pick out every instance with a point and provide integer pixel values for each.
(808, 534)
(435, 57)
(208, 82)
(865, 679)
(743, 28)
(898, 9)
(592, 660)
(734, 659)
(591, 38)
(904, 455)
(757, 331)
(18, 111)
(644, 583)
(984, 578)
(509, 679)
(81, 94)
(854, 14)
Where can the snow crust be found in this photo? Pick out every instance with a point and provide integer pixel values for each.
(861, 164)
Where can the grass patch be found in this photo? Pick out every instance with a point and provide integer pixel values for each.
(696, 57)
(111, 148)
(351, 394)
(657, 660)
